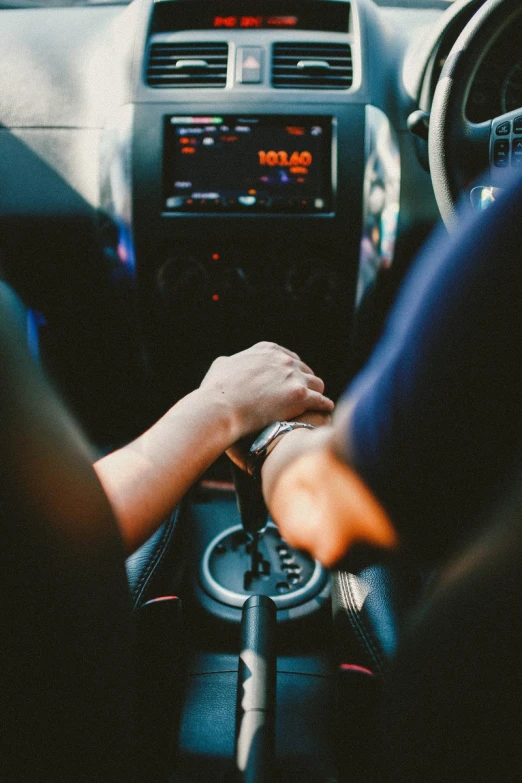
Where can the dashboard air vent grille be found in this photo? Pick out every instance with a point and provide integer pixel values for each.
(312, 66)
(187, 65)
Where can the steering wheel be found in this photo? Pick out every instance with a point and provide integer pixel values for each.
(460, 150)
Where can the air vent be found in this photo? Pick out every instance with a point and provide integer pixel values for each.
(312, 66)
(187, 65)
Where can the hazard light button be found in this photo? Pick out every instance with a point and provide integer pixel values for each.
(249, 65)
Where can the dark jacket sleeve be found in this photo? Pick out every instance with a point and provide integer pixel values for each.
(437, 412)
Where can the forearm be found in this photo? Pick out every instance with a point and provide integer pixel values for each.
(330, 436)
(435, 421)
(291, 447)
(147, 478)
(319, 503)
(239, 395)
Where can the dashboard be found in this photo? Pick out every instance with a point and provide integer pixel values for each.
(181, 179)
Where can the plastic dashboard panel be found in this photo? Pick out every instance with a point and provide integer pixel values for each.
(81, 137)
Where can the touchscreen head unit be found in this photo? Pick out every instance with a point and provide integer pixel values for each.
(248, 164)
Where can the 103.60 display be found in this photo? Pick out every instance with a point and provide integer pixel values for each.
(252, 164)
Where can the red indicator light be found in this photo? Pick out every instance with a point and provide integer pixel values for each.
(215, 297)
(281, 21)
(225, 21)
(215, 256)
(295, 130)
(251, 21)
(188, 150)
(353, 667)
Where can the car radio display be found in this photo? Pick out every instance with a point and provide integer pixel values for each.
(252, 164)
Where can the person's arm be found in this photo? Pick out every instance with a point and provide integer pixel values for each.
(239, 395)
(318, 502)
(432, 425)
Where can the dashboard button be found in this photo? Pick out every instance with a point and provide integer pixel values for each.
(516, 149)
(517, 125)
(175, 202)
(249, 68)
(504, 129)
(501, 154)
(247, 201)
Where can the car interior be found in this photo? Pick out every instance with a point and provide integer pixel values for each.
(180, 179)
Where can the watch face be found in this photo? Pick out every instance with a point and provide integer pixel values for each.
(265, 436)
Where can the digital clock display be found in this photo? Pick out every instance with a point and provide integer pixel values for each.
(244, 22)
(252, 164)
(244, 15)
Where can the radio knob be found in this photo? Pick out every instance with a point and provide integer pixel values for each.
(184, 282)
(309, 285)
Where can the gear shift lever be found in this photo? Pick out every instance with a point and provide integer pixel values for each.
(252, 558)
(254, 518)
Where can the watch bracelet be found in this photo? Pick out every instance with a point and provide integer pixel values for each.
(256, 460)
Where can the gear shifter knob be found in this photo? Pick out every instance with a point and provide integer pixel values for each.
(250, 503)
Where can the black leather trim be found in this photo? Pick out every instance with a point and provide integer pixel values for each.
(369, 604)
(146, 564)
(346, 587)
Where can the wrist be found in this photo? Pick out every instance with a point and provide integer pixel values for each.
(214, 407)
(266, 440)
(285, 450)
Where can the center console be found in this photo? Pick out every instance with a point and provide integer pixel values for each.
(247, 151)
(254, 187)
(255, 193)
(248, 234)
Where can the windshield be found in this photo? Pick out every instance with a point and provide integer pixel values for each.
(60, 3)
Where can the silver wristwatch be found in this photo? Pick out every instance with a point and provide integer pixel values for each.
(259, 448)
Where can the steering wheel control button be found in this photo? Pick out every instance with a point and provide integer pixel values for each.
(501, 154)
(517, 125)
(249, 68)
(504, 129)
(516, 150)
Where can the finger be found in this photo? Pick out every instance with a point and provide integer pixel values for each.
(318, 402)
(314, 383)
(305, 368)
(267, 345)
(302, 365)
(288, 352)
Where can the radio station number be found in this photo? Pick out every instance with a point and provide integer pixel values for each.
(282, 158)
